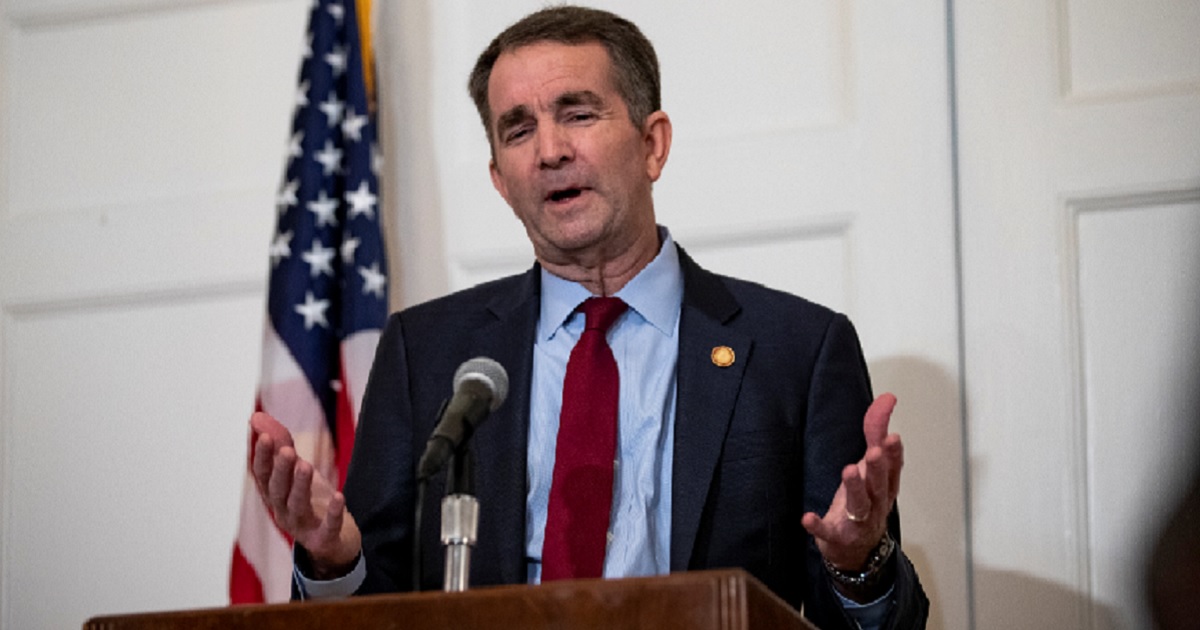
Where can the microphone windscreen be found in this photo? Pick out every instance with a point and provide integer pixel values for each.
(488, 372)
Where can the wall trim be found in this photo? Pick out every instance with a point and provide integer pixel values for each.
(1075, 207)
(21, 309)
(1074, 96)
(59, 13)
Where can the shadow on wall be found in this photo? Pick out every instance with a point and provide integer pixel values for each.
(932, 507)
(1173, 574)
(1034, 603)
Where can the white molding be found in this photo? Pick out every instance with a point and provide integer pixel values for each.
(5, 472)
(1072, 95)
(36, 14)
(837, 225)
(165, 295)
(1077, 459)
(1075, 207)
(6, 37)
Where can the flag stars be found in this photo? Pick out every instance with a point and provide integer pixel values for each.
(329, 157)
(349, 246)
(287, 195)
(313, 311)
(281, 248)
(324, 208)
(336, 59)
(373, 280)
(337, 11)
(352, 126)
(296, 145)
(332, 108)
(319, 258)
(362, 201)
(302, 94)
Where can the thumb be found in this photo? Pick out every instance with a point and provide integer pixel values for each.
(261, 423)
(875, 422)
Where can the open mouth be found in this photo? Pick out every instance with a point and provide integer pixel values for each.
(564, 194)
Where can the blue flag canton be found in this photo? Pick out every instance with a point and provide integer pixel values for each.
(328, 269)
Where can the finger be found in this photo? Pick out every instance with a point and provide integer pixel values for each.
(263, 424)
(262, 461)
(858, 503)
(893, 448)
(816, 526)
(281, 479)
(299, 501)
(876, 479)
(875, 422)
(331, 527)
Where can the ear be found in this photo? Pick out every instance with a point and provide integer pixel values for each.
(657, 135)
(497, 180)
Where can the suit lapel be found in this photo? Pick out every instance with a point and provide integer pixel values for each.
(706, 395)
(501, 452)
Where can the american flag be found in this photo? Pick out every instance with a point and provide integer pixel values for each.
(327, 299)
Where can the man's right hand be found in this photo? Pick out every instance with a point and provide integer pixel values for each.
(303, 503)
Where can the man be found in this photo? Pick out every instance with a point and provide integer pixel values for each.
(739, 408)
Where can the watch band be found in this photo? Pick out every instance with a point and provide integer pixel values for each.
(871, 572)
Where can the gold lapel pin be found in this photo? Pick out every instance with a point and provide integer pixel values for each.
(722, 356)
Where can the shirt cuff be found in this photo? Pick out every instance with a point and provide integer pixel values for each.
(869, 616)
(336, 588)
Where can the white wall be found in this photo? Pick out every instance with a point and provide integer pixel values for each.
(142, 144)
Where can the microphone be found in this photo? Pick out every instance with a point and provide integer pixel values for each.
(480, 386)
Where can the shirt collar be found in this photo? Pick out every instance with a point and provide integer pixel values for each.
(655, 293)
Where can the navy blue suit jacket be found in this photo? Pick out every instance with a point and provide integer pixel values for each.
(757, 443)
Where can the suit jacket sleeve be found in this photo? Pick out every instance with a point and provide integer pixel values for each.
(379, 489)
(839, 394)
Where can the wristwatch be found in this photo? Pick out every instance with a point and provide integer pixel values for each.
(874, 569)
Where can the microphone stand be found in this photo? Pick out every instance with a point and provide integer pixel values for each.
(460, 519)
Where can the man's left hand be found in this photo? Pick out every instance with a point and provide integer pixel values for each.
(857, 518)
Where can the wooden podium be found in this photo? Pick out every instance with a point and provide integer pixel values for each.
(703, 600)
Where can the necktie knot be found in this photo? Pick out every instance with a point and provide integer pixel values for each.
(600, 312)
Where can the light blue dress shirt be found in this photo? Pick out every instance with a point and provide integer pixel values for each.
(645, 344)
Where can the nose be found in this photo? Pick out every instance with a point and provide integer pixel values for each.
(554, 147)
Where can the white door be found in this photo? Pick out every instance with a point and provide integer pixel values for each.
(1080, 205)
(811, 153)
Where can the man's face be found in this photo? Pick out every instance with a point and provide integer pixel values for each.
(567, 158)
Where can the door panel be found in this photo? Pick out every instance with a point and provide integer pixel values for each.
(1079, 134)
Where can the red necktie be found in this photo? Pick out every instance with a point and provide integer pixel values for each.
(581, 491)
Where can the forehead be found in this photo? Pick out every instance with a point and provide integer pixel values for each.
(532, 76)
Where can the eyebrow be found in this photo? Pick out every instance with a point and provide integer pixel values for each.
(581, 97)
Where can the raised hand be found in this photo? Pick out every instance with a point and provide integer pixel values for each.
(857, 517)
(303, 503)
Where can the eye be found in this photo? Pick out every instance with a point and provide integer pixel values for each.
(581, 116)
(516, 134)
